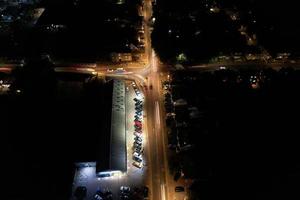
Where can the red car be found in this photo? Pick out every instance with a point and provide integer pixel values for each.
(138, 123)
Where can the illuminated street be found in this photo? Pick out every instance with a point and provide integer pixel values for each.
(156, 134)
(150, 99)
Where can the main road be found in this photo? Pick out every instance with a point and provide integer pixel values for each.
(155, 128)
(155, 124)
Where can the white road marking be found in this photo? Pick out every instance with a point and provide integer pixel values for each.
(157, 114)
(163, 194)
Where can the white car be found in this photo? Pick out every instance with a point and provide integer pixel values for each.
(137, 134)
(120, 70)
(137, 164)
(97, 197)
(136, 154)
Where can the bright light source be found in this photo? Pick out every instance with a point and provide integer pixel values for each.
(181, 57)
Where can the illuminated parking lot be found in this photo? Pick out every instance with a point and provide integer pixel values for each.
(85, 174)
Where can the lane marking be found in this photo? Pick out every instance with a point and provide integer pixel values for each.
(163, 195)
(157, 114)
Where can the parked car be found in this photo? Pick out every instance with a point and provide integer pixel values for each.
(137, 159)
(137, 134)
(137, 164)
(139, 131)
(99, 192)
(125, 193)
(137, 146)
(125, 189)
(137, 128)
(108, 195)
(145, 191)
(137, 125)
(80, 192)
(138, 139)
(137, 156)
(138, 149)
(137, 121)
(138, 103)
(137, 153)
(139, 113)
(138, 142)
(138, 116)
(97, 197)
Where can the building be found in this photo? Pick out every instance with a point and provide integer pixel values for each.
(112, 155)
(121, 57)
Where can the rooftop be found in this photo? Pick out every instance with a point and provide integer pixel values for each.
(113, 154)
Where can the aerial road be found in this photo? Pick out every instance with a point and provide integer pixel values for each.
(156, 136)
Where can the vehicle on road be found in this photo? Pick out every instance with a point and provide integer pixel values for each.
(120, 70)
(179, 189)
